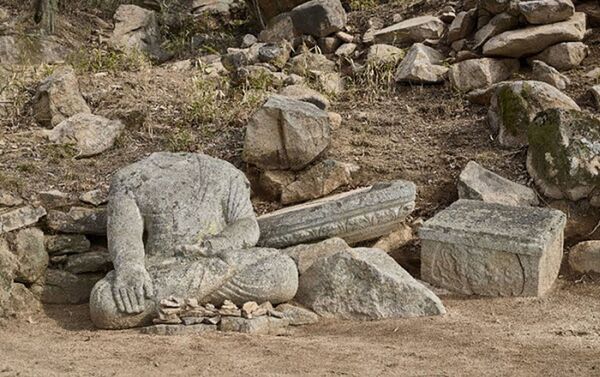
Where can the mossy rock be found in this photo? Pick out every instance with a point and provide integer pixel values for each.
(564, 153)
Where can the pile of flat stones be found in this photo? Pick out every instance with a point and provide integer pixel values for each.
(177, 316)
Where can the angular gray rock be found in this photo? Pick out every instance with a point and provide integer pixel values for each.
(13, 219)
(305, 255)
(62, 287)
(276, 54)
(487, 249)
(297, 315)
(585, 257)
(410, 31)
(78, 220)
(89, 134)
(478, 183)
(498, 24)
(318, 181)
(595, 93)
(8, 199)
(8, 267)
(286, 134)
(533, 39)
(303, 63)
(563, 56)
(94, 197)
(546, 11)
(515, 104)
(422, 65)
(52, 199)
(136, 29)
(306, 94)
(58, 98)
(280, 28)
(257, 326)
(355, 216)
(494, 6)
(28, 247)
(66, 244)
(272, 182)
(176, 330)
(346, 50)
(543, 72)
(564, 153)
(480, 73)
(364, 284)
(319, 18)
(93, 261)
(462, 26)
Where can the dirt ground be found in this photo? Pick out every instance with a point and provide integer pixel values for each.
(558, 335)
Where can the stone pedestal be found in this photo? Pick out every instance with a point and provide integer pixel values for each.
(355, 216)
(489, 249)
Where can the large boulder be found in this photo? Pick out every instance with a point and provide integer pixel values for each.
(90, 134)
(136, 29)
(410, 31)
(286, 134)
(585, 257)
(515, 104)
(546, 11)
(422, 65)
(462, 25)
(364, 284)
(533, 39)
(563, 56)
(319, 18)
(58, 98)
(564, 153)
(477, 183)
(480, 73)
(32, 259)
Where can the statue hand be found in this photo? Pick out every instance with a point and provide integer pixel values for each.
(130, 288)
(194, 251)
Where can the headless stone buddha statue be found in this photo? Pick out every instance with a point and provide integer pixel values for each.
(183, 225)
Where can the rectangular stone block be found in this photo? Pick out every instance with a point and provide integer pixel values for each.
(359, 215)
(487, 249)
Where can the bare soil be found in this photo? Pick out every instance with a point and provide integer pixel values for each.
(558, 335)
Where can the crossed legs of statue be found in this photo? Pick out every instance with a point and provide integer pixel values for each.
(238, 275)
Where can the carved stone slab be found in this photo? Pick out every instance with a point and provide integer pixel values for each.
(355, 216)
(473, 247)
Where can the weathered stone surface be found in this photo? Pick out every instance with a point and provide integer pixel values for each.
(330, 83)
(28, 247)
(480, 73)
(494, 6)
(183, 225)
(93, 261)
(13, 219)
(272, 182)
(305, 255)
(302, 64)
(382, 54)
(346, 50)
(248, 40)
(90, 134)
(595, 93)
(136, 29)
(62, 287)
(328, 45)
(8, 199)
(31, 49)
(563, 56)
(78, 220)
(257, 326)
(8, 267)
(170, 330)
(211, 7)
(58, 98)
(515, 104)
(422, 65)
(54, 199)
(410, 31)
(305, 94)
(543, 72)
(533, 39)
(280, 28)
(286, 134)
(269, 9)
(462, 26)
(94, 197)
(318, 181)
(546, 11)
(478, 183)
(364, 284)
(355, 216)
(276, 54)
(585, 257)
(319, 18)
(22, 301)
(564, 153)
(297, 315)
(487, 249)
(66, 244)
(498, 24)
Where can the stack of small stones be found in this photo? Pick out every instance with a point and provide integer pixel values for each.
(176, 311)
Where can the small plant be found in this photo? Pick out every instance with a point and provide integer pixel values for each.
(98, 60)
(181, 140)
